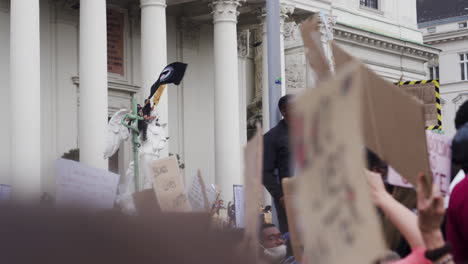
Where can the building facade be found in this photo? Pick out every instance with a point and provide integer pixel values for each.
(86, 59)
(450, 35)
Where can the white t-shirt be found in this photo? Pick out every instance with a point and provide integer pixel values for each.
(458, 178)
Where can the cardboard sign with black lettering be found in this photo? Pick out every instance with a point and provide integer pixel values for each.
(169, 185)
(342, 224)
(393, 122)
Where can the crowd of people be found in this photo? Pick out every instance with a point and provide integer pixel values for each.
(418, 226)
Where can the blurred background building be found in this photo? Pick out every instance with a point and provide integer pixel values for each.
(223, 41)
(444, 25)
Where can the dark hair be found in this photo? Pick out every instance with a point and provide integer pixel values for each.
(283, 101)
(461, 117)
(266, 225)
(373, 160)
(460, 147)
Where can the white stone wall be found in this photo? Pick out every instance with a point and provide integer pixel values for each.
(452, 41)
(396, 18)
(453, 90)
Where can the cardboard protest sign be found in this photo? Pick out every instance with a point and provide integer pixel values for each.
(201, 196)
(440, 158)
(239, 205)
(342, 224)
(146, 202)
(393, 122)
(313, 48)
(81, 185)
(169, 185)
(292, 212)
(428, 92)
(253, 162)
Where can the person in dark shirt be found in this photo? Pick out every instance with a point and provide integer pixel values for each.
(143, 124)
(276, 161)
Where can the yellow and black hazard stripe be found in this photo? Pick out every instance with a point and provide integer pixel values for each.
(437, 94)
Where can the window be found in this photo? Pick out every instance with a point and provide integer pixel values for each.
(462, 25)
(431, 30)
(434, 72)
(464, 66)
(370, 3)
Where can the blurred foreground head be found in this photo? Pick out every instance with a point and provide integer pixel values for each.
(52, 236)
(460, 147)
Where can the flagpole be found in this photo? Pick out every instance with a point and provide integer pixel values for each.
(274, 59)
(136, 144)
(274, 68)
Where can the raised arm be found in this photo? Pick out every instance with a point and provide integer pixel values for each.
(400, 216)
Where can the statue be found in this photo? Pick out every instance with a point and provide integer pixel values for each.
(146, 151)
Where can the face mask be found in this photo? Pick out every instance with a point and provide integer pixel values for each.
(276, 254)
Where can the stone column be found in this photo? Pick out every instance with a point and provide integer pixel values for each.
(25, 92)
(265, 84)
(284, 12)
(154, 53)
(226, 85)
(93, 112)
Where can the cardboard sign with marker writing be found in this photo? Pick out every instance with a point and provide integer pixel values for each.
(342, 225)
(440, 153)
(201, 196)
(82, 185)
(393, 122)
(253, 160)
(169, 185)
(292, 212)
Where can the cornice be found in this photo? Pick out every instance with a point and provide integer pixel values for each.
(391, 45)
(112, 85)
(446, 37)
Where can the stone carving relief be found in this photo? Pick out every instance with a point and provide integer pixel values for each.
(295, 71)
(258, 60)
(292, 34)
(244, 43)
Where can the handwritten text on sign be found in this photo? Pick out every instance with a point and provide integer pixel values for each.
(440, 155)
(78, 184)
(332, 193)
(169, 186)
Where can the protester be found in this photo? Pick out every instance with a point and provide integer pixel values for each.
(457, 212)
(461, 117)
(422, 232)
(276, 160)
(146, 113)
(404, 196)
(274, 246)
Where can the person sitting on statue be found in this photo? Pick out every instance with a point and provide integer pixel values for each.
(143, 125)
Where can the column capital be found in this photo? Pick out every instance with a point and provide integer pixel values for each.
(225, 10)
(146, 3)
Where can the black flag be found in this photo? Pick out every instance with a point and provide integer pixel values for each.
(173, 73)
